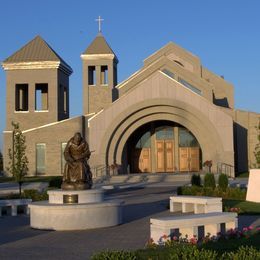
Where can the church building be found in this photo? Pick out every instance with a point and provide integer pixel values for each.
(172, 115)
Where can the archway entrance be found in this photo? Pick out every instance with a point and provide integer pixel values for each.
(162, 146)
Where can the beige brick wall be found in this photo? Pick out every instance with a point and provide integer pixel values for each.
(32, 118)
(246, 138)
(53, 136)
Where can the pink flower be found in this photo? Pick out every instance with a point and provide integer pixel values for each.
(175, 238)
(250, 228)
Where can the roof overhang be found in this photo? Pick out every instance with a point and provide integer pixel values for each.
(99, 56)
(37, 65)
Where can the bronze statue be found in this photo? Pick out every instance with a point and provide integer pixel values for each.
(77, 174)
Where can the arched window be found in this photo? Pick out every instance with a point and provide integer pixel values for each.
(179, 63)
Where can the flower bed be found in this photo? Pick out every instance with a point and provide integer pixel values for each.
(234, 244)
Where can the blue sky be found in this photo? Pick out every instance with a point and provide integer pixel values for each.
(224, 34)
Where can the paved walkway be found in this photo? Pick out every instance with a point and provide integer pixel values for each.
(19, 241)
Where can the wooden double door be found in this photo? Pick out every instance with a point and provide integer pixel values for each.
(189, 158)
(164, 155)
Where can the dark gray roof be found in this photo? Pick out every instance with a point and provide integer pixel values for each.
(99, 46)
(35, 50)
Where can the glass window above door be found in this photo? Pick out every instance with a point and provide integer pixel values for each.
(164, 133)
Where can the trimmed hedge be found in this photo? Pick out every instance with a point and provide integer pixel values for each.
(230, 193)
(55, 182)
(35, 195)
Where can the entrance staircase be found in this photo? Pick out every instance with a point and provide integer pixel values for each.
(144, 179)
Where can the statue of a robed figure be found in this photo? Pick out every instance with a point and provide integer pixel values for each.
(77, 174)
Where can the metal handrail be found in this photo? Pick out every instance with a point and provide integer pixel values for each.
(225, 168)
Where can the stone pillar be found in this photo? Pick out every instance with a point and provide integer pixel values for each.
(213, 229)
(98, 75)
(175, 206)
(189, 231)
(231, 225)
(199, 208)
(153, 148)
(176, 148)
(14, 210)
(187, 207)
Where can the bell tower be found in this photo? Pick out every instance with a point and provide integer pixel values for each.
(37, 86)
(99, 75)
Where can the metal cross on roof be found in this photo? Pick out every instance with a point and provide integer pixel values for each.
(99, 20)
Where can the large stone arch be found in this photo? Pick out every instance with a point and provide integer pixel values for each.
(185, 114)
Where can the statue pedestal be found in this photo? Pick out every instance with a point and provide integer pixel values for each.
(84, 196)
(75, 210)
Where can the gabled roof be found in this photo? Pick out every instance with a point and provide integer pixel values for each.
(99, 46)
(34, 51)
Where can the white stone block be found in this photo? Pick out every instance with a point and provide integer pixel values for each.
(253, 191)
(196, 204)
(188, 224)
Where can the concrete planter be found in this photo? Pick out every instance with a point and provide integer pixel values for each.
(253, 191)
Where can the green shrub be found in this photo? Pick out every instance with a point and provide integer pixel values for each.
(192, 252)
(209, 181)
(179, 190)
(223, 182)
(114, 255)
(195, 180)
(243, 252)
(55, 182)
(230, 193)
(235, 193)
(35, 195)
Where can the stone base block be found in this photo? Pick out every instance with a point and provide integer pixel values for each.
(44, 215)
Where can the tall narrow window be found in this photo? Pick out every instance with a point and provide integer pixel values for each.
(189, 86)
(21, 97)
(63, 161)
(41, 96)
(40, 158)
(65, 94)
(91, 75)
(104, 80)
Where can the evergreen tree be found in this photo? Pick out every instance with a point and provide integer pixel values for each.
(257, 148)
(18, 164)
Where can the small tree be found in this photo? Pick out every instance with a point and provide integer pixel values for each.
(223, 182)
(18, 164)
(257, 147)
(1, 162)
(195, 180)
(209, 181)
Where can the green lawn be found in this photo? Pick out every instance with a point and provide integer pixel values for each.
(30, 179)
(246, 207)
(243, 175)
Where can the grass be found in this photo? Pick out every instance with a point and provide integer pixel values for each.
(30, 179)
(246, 207)
(243, 175)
